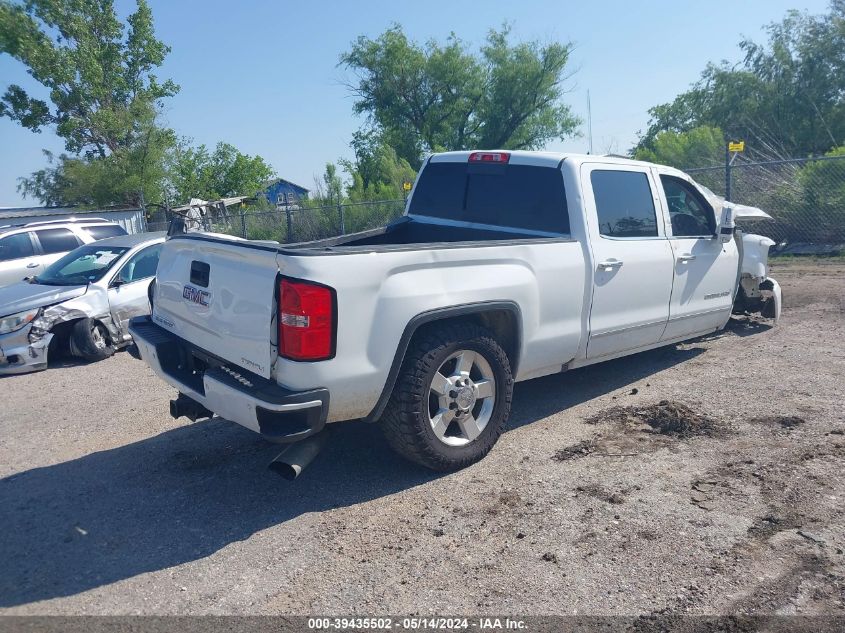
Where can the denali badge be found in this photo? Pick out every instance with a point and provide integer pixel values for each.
(196, 295)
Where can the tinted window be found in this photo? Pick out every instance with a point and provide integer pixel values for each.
(57, 240)
(15, 247)
(690, 214)
(141, 265)
(518, 196)
(624, 204)
(102, 232)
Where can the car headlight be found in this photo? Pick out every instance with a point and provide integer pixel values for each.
(17, 321)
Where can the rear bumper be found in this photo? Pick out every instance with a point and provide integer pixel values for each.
(261, 405)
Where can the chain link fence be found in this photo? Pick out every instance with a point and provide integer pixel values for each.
(805, 196)
(301, 222)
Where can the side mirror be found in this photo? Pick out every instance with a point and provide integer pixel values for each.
(727, 225)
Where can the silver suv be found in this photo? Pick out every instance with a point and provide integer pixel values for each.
(27, 249)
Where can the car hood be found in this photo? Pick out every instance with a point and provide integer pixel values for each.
(741, 211)
(24, 296)
(744, 212)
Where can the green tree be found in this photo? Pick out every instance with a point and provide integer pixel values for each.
(377, 173)
(785, 96)
(103, 96)
(120, 177)
(196, 172)
(701, 146)
(431, 97)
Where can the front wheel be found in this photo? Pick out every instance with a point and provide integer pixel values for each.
(452, 397)
(90, 340)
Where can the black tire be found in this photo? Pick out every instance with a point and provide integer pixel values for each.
(89, 339)
(407, 423)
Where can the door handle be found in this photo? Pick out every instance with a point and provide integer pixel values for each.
(32, 265)
(684, 259)
(610, 264)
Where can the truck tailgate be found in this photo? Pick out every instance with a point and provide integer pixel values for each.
(219, 295)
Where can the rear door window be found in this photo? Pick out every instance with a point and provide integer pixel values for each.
(57, 240)
(624, 203)
(516, 196)
(102, 232)
(15, 247)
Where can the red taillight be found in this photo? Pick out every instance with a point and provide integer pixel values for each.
(489, 157)
(306, 321)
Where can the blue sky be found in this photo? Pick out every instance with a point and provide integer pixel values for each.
(263, 75)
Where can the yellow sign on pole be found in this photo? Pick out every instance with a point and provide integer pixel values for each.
(406, 186)
(736, 146)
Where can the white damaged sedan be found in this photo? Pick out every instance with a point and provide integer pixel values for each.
(82, 302)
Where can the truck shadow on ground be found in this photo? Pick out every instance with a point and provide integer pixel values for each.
(184, 494)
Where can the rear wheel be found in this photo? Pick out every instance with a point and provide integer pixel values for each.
(90, 340)
(452, 398)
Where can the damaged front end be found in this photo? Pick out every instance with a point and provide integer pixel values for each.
(757, 292)
(24, 349)
(25, 345)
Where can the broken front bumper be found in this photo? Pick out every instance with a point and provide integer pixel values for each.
(776, 298)
(19, 356)
(261, 405)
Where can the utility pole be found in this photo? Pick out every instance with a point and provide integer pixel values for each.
(732, 150)
(728, 172)
(589, 122)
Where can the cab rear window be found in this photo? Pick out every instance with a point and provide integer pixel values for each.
(516, 196)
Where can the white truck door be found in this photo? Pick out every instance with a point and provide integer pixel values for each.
(632, 259)
(705, 269)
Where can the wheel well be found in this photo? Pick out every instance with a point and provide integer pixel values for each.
(503, 319)
(61, 337)
(502, 323)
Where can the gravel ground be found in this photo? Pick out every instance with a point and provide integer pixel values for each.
(590, 503)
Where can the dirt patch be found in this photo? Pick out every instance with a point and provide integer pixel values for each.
(704, 493)
(506, 501)
(581, 449)
(602, 493)
(549, 557)
(634, 430)
(667, 417)
(787, 422)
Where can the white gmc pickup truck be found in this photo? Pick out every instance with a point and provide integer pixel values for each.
(506, 266)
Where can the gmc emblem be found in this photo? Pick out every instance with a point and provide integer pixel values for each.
(195, 295)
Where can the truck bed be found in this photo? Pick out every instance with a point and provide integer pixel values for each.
(407, 232)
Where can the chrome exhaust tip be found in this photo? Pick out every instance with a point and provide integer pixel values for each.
(295, 458)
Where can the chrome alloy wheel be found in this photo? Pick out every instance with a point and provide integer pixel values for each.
(461, 398)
